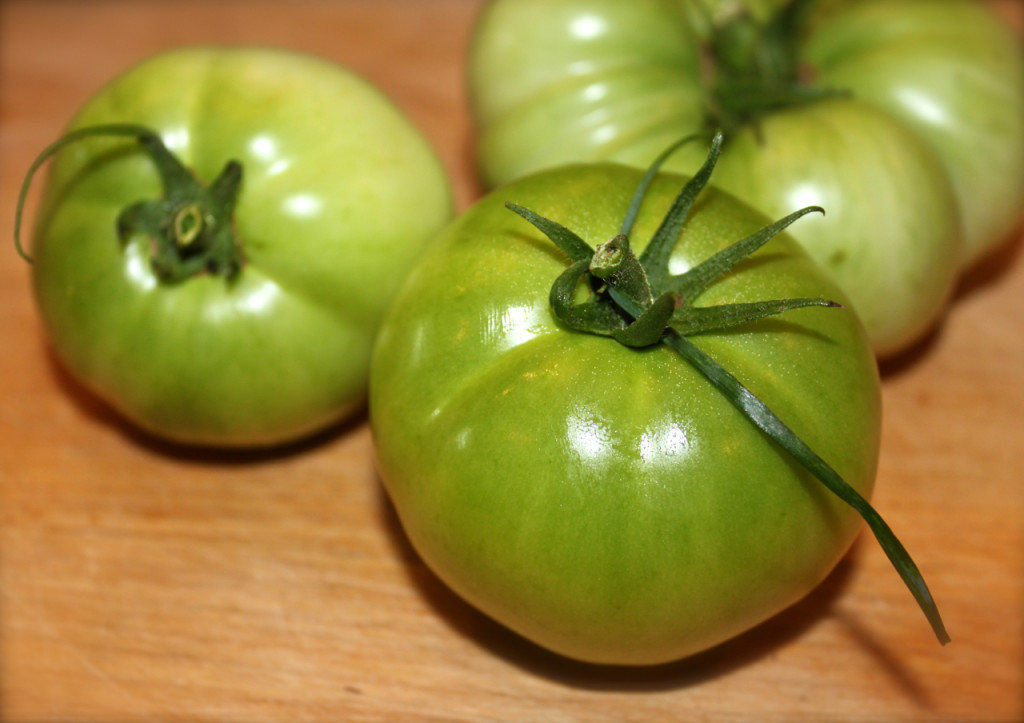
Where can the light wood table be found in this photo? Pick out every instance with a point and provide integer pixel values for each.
(141, 583)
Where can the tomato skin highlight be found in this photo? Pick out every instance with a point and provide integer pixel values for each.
(581, 80)
(339, 193)
(608, 503)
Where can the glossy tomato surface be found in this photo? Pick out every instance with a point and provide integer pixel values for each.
(606, 502)
(338, 194)
(940, 83)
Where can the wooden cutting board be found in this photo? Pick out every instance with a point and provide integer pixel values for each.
(140, 583)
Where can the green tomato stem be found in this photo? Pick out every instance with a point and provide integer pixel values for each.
(615, 263)
(639, 303)
(190, 226)
(753, 67)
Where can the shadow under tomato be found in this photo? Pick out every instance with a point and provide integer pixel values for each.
(905, 361)
(758, 643)
(99, 412)
(991, 267)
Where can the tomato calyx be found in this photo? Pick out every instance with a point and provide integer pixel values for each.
(751, 67)
(637, 301)
(189, 228)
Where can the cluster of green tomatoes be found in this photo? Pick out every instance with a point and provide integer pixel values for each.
(627, 403)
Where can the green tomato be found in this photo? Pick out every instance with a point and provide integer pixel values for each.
(882, 238)
(338, 194)
(607, 502)
(571, 80)
(954, 74)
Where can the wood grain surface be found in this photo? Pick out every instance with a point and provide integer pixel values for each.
(144, 583)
